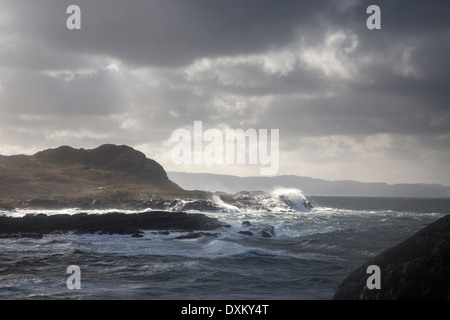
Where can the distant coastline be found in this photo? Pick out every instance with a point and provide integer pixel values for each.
(310, 186)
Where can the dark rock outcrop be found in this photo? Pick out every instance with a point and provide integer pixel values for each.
(418, 268)
(109, 223)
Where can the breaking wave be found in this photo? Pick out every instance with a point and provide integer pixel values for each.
(292, 197)
(278, 200)
(227, 207)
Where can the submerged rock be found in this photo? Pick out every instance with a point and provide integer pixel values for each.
(196, 235)
(266, 230)
(418, 268)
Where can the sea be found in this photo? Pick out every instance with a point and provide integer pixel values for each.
(310, 252)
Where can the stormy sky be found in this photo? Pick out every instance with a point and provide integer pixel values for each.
(350, 103)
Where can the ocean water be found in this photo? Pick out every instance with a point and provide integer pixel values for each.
(309, 255)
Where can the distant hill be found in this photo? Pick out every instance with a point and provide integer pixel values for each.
(309, 186)
(65, 170)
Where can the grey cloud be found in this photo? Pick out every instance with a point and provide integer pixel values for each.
(27, 92)
(55, 85)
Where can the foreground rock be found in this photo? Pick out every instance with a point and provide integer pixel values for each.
(36, 226)
(418, 268)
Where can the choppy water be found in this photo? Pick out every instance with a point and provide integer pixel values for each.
(311, 253)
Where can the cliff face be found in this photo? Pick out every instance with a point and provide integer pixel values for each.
(418, 268)
(65, 170)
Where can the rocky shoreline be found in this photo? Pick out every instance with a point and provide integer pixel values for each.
(36, 226)
(137, 198)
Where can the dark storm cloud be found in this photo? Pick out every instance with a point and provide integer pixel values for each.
(162, 33)
(175, 33)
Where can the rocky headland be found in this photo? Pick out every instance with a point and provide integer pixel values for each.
(108, 177)
(67, 177)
